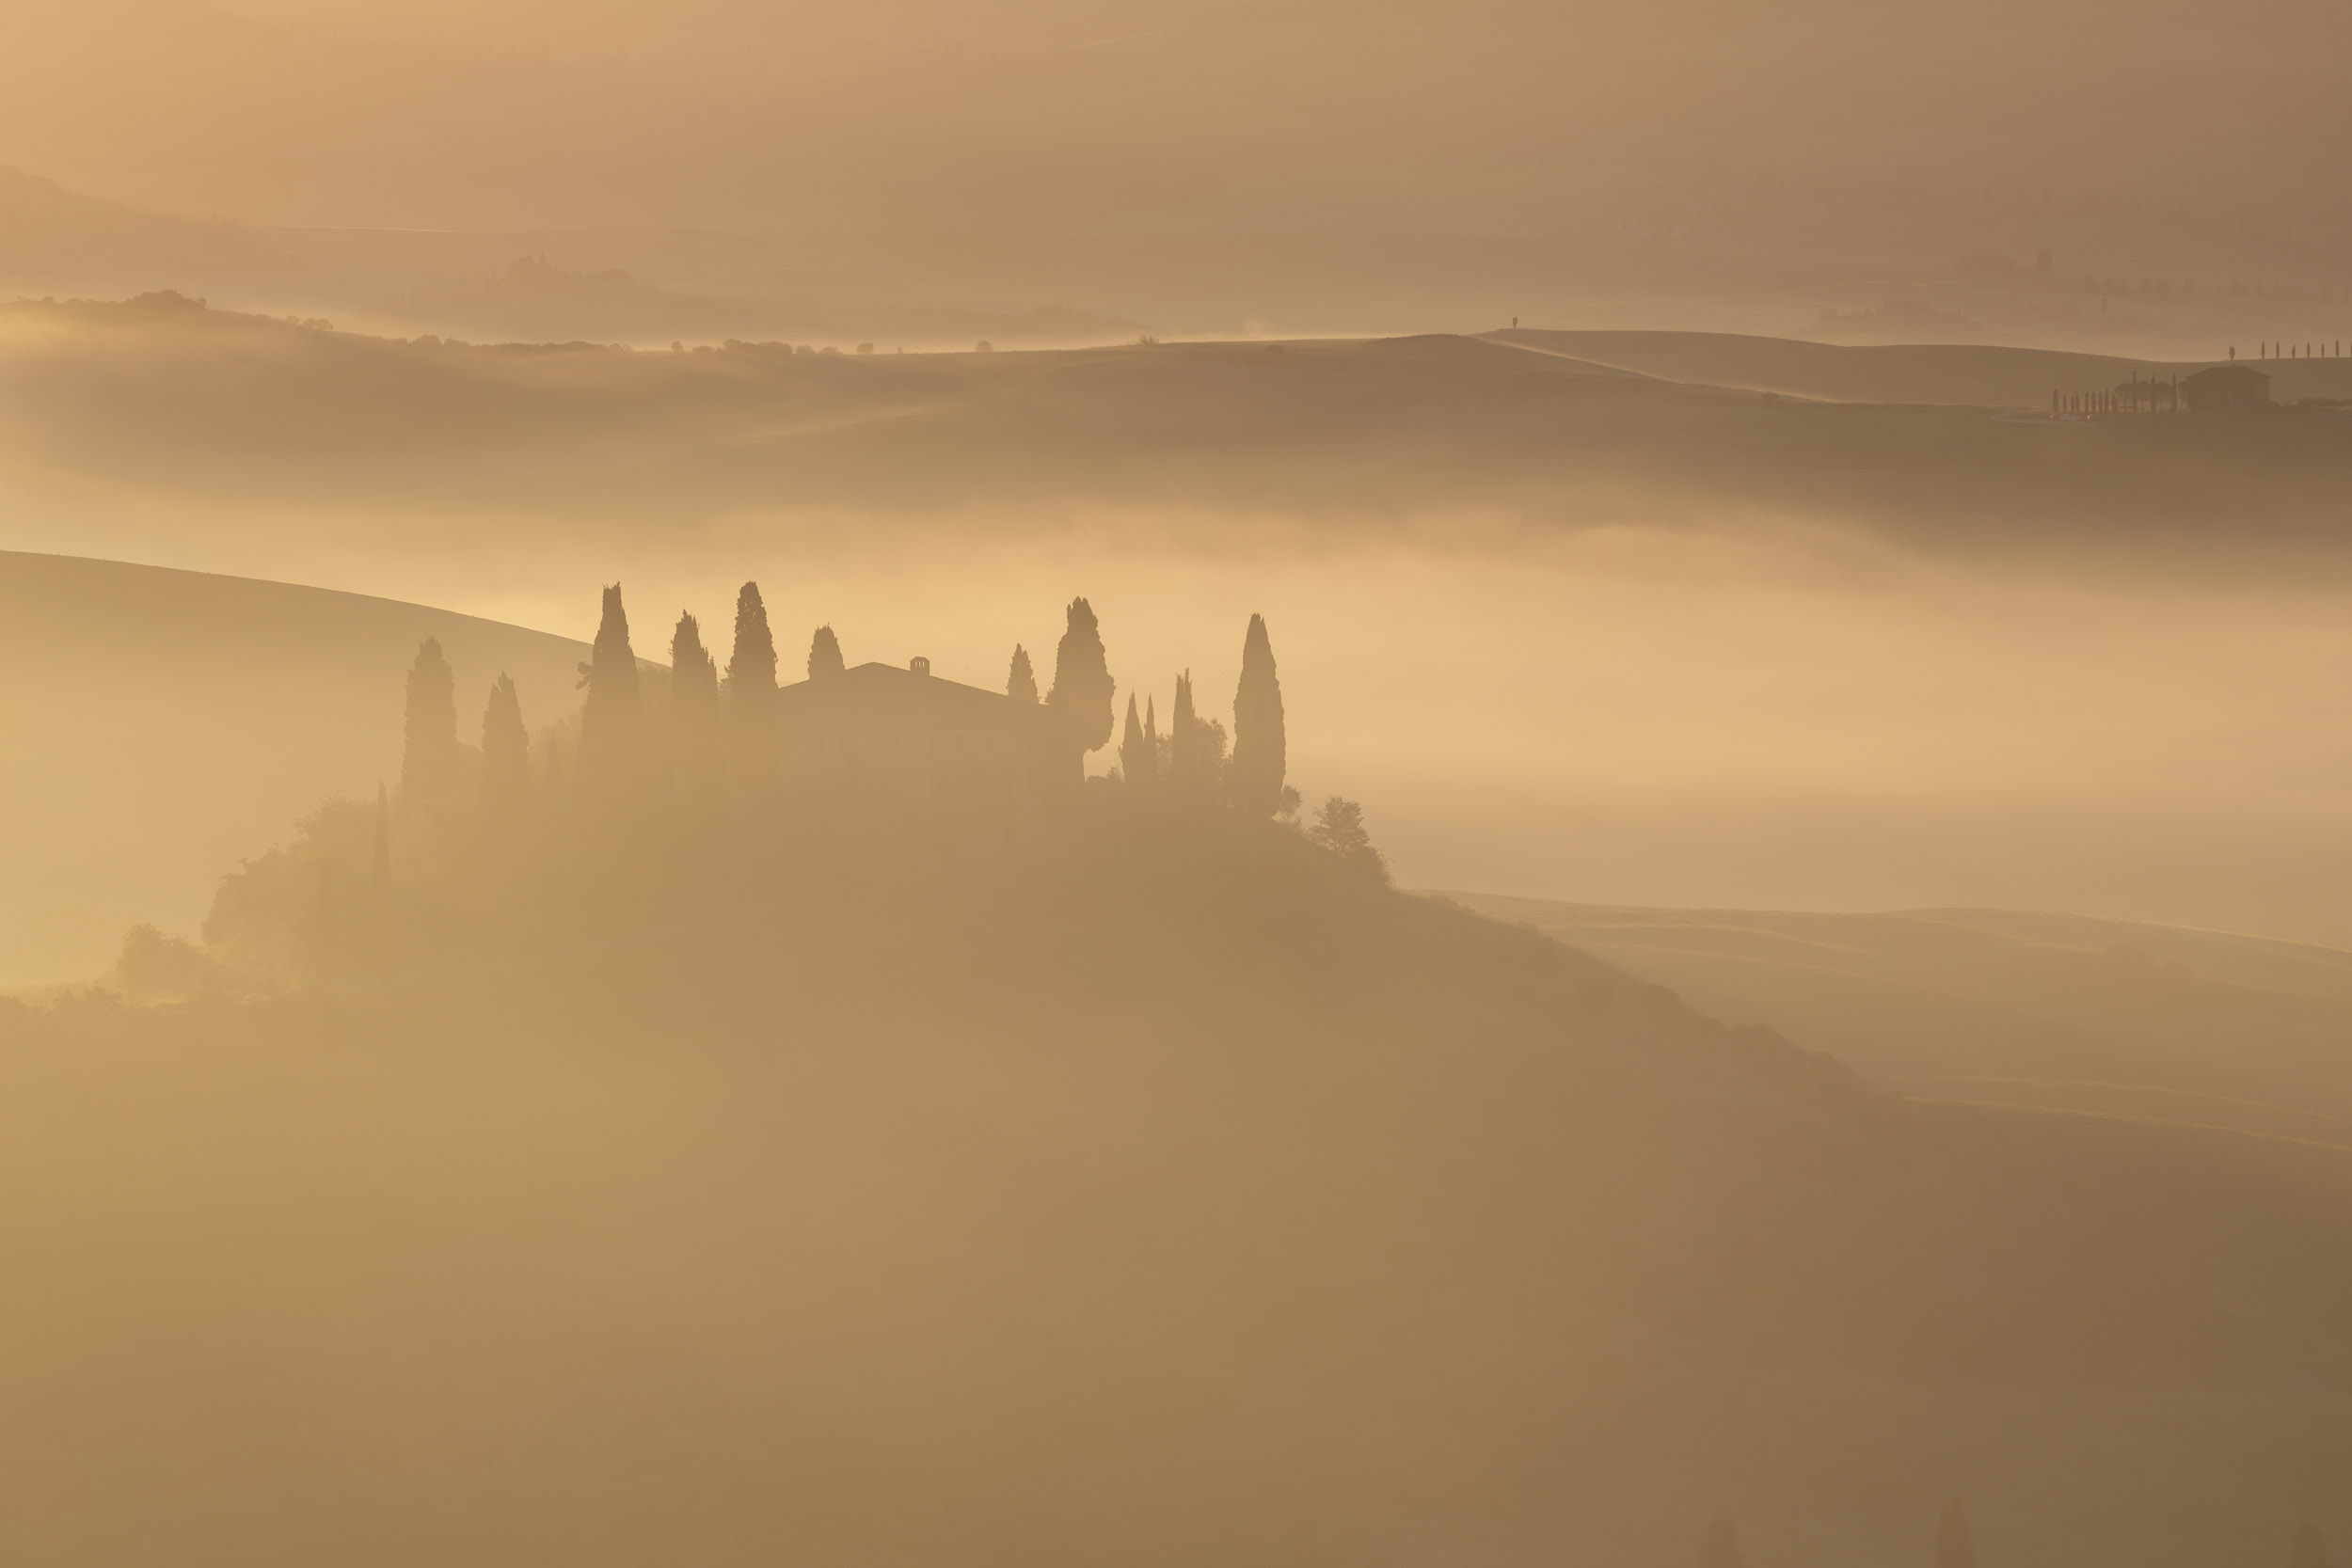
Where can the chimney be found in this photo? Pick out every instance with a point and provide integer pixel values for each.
(920, 665)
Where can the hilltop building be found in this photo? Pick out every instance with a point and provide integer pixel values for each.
(2227, 389)
(880, 733)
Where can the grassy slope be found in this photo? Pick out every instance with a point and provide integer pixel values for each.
(2038, 1009)
(1984, 376)
(263, 697)
(1119, 1205)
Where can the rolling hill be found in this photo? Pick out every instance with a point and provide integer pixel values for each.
(2111, 1017)
(187, 407)
(1983, 375)
(180, 719)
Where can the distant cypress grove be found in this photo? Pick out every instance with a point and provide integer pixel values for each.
(634, 788)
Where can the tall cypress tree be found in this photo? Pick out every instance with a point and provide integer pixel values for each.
(506, 757)
(824, 654)
(611, 719)
(1021, 685)
(1187, 760)
(1261, 749)
(693, 703)
(1954, 1547)
(751, 667)
(428, 760)
(1082, 681)
(1136, 761)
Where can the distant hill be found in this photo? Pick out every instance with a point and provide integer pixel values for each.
(165, 722)
(53, 240)
(2064, 1011)
(1980, 374)
(534, 300)
(205, 406)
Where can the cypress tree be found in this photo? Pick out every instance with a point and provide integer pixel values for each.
(1187, 767)
(1954, 1547)
(1136, 761)
(824, 654)
(1720, 1549)
(1261, 749)
(2309, 1549)
(505, 755)
(1021, 686)
(694, 701)
(428, 761)
(609, 720)
(1082, 681)
(1152, 734)
(751, 667)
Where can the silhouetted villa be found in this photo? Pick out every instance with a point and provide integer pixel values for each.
(878, 731)
(2225, 389)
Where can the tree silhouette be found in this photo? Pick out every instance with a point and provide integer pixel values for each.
(609, 720)
(1082, 681)
(1339, 826)
(2309, 1549)
(505, 755)
(1720, 1549)
(1254, 779)
(751, 667)
(1954, 1547)
(428, 760)
(1021, 686)
(1140, 769)
(693, 700)
(1188, 778)
(751, 684)
(824, 654)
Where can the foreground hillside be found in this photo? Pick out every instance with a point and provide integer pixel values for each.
(1143, 1197)
(181, 719)
(2108, 1016)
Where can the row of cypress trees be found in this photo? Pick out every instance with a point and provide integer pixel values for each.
(710, 719)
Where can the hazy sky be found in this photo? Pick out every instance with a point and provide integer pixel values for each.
(1398, 116)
